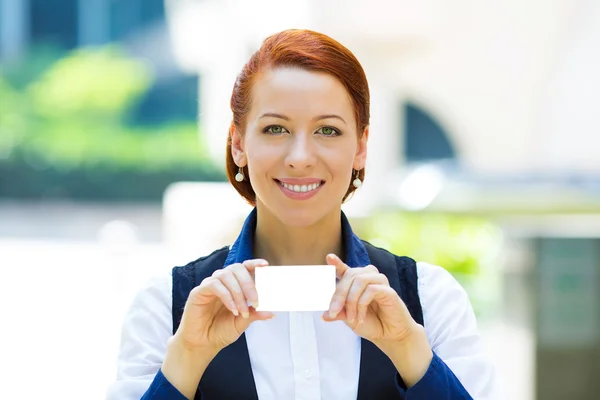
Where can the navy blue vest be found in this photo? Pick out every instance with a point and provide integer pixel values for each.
(229, 375)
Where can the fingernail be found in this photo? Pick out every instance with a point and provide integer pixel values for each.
(255, 304)
(333, 308)
(332, 314)
(235, 312)
(245, 314)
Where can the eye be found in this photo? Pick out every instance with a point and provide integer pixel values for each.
(328, 131)
(275, 129)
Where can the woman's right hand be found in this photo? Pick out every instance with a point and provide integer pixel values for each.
(217, 312)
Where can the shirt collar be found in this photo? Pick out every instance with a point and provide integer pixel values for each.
(242, 248)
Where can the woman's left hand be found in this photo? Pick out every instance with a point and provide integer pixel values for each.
(365, 301)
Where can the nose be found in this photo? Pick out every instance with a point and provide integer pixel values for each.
(301, 152)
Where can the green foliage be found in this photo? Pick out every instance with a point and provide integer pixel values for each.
(457, 242)
(38, 59)
(88, 83)
(467, 246)
(67, 120)
(71, 144)
(13, 118)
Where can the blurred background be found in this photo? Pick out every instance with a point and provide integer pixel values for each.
(484, 159)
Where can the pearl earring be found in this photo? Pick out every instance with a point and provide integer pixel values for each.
(240, 175)
(357, 182)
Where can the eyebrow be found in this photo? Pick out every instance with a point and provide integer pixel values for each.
(318, 118)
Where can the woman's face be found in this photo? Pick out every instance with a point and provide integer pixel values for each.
(300, 145)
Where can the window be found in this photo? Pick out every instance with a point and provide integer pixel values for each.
(54, 21)
(127, 16)
(424, 138)
(175, 99)
(152, 10)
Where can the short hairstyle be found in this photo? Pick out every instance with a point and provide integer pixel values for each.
(304, 49)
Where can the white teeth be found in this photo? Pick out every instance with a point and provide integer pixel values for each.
(301, 188)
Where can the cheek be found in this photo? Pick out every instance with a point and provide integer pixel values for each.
(261, 157)
(341, 158)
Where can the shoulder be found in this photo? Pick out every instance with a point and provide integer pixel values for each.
(185, 277)
(383, 255)
(187, 272)
(430, 278)
(446, 305)
(439, 291)
(159, 286)
(152, 297)
(435, 279)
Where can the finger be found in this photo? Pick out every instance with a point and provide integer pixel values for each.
(340, 266)
(341, 316)
(246, 282)
(243, 323)
(372, 293)
(207, 290)
(260, 315)
(229, 280)
(359, 284)
(338, 299)
(251, 265)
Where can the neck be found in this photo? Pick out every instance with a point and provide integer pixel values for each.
(281, 244)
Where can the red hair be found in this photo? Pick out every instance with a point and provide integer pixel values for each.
(308, 50)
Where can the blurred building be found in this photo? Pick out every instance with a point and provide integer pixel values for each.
(138, 25)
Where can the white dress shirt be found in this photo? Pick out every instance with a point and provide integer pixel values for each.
(298, 356)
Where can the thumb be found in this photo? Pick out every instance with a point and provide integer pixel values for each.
(340, 266)
(244, 323)
(341, 316)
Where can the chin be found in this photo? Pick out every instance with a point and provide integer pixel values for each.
(299, 214)
(302, 217)
(294, 217)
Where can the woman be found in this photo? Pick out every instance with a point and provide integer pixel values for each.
(296, 150)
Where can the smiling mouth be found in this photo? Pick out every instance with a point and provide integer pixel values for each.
(300, 188)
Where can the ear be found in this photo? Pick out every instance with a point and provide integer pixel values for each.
(360, 158)
(237, 147)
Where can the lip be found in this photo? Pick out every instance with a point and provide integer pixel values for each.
(299, 181)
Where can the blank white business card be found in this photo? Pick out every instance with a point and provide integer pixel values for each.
(295, 288)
